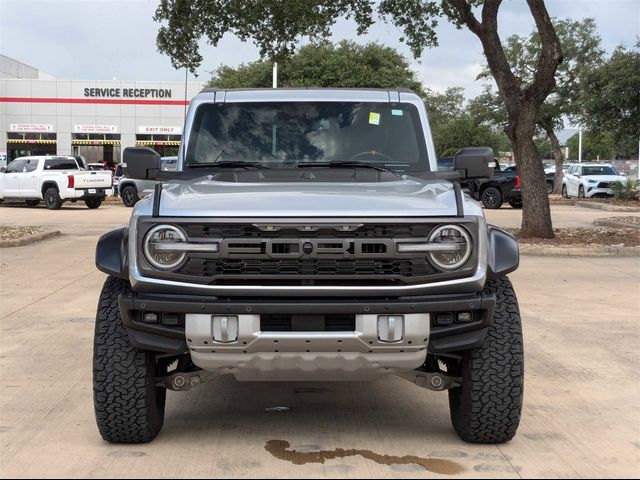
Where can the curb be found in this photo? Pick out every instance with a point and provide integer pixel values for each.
(593, 251)
(603, 222)
(608, 208)
(29, 239)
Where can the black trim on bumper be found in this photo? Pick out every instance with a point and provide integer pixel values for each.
(451, 338)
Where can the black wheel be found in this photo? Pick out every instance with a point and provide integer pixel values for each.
(515, 203)
(565, 194)
(486, 408)
(93, 202)
(52, 198)
(580, 191)
(129, 196)
(491, 198)
(129, 407)
(32, 203)
(549, 188)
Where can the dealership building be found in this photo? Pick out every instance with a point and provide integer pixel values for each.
(41, 115)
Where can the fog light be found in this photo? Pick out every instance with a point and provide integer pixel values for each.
(464, 317)
(150, 317)
(444, 319)
(171, 319)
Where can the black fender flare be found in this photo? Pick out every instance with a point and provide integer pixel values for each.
(111, 253)
(503, 253)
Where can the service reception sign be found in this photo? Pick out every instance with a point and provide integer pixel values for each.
(31, 127)
(159, 130)
(95, 129)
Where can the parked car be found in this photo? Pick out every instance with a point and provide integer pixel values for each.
(503, 186)
(549, 176)
(308, 236)
(97, 166)
(586, 180)
(55, 179)
(132, 190)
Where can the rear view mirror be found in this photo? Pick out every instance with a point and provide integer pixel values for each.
(141, 163)
(474, 162)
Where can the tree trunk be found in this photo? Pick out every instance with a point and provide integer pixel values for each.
(559, 158)
(536, 215)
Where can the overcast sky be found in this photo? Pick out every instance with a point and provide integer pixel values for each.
(103, 39)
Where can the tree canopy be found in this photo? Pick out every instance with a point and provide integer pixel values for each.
(344, 65)
(610, 100)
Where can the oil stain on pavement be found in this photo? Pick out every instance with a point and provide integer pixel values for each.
(280, 450)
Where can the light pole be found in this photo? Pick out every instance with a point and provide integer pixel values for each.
(275, 74)
(580, 146)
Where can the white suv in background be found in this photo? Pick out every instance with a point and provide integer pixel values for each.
(586, 180)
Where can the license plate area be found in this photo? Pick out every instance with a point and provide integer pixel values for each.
(308, 323)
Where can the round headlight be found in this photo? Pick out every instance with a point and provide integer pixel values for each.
(459, 252)
(158, 243)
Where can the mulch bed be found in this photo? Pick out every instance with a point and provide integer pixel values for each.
(628, 237)
(616, 202)
(12, 233)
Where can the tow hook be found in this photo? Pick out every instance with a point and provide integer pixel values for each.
(431, 380)
(184, 381)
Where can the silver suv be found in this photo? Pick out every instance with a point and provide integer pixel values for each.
(306, 234)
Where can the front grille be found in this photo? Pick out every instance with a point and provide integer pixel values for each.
(347, 253)
(607, 184)
(291, 268)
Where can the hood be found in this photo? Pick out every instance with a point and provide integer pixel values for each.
(406, 197)
(606, 178)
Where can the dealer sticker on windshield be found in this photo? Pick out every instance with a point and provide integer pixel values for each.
(374, 118)
(397, 113)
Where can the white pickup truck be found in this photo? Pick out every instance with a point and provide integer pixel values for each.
(54, 179)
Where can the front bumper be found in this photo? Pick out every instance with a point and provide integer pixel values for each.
(297, 355)
(598, 192)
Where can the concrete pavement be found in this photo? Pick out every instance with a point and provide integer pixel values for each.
(581, 415)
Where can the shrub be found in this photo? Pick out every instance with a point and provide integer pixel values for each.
(630, 191)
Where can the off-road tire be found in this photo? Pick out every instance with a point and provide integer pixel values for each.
(129, 407)
(52, 198)
(491, 198)
(93, 202)
(32, 203)
(486, 408)
(129, 196)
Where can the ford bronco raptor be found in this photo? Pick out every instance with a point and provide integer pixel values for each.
(306, 234)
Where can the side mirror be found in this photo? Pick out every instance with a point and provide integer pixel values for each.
(474, 162)
(141, 163)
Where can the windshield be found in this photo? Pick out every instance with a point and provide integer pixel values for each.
(599, 170)
(285, 134)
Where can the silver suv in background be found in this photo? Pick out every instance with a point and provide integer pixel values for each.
(132, 190)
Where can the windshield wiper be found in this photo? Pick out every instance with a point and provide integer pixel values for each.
(344, 164)
(228, 164)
